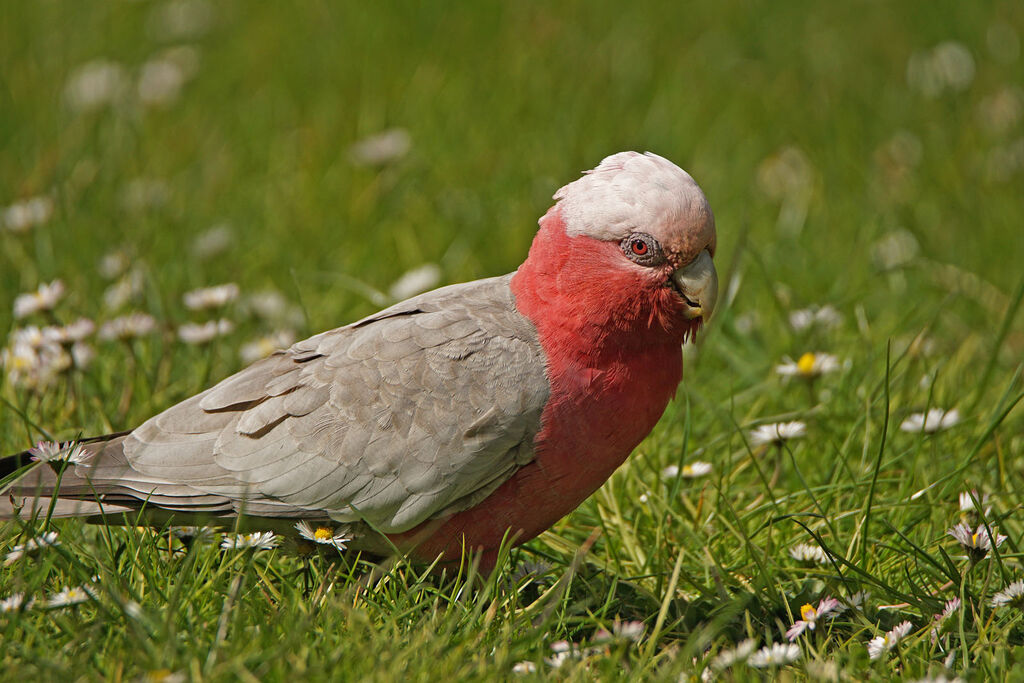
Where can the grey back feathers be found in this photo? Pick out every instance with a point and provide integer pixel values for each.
(422, 409)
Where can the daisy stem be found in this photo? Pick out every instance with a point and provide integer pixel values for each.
(210, 354)
(777, 473)
(129, 382)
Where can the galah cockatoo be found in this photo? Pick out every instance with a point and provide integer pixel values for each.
(449, 420)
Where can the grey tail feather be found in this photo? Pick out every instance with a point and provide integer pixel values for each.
(54, 490)
(12, 463)
(31, 494)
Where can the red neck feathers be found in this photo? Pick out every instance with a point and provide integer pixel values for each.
(585, 298)
(612, 336)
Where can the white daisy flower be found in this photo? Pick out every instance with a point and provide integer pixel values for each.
(82, 355)
(203, 333)
(563, 651)
(977, 543)
(776, 654)
(523, 668)
(807, 553)
(114, 264)
(266, 345)
(808, 366)
(163, 676)
(94, 85)
(735, 655)
(858, 600)
(810, 615)
(1012, 596)
(786, 175)
(160, 82)
(273, 308)
(128, 327)
(323, 535)
(777, 432)
(415, 281)
(53, 360)
(213, 242)
(45, 298)
(947, 66)
(15, 602)
(51, 451)
(69, 596)
(879, 645)
(693, 470)
(210, 297)
(260, 540)
(32, 361)
(47, 540)
(967, 504)
(128, 288)
(935, 420)
(628, 630)
(30, 336)
(19, 362)
(134, 610)
(26, 214)
(382, 148)
(895, 250)
(697, 468)
(70, 333)
(826, 316)
(950, 607)
(621, 630)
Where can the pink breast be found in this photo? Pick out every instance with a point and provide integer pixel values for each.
(592, 422)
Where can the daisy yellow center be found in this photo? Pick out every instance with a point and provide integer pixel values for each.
(322, 534)
(806, 364)
(807, 613)
(974, 538)
(687, 469)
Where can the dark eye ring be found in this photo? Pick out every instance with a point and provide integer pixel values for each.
(642, 249)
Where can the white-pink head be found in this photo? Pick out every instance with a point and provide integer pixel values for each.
(634, 238)
(630, 192)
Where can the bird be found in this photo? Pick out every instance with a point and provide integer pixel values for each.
(447, 422)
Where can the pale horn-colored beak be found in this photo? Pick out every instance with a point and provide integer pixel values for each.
(697, 281)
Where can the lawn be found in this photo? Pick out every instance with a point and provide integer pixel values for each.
(865, 162)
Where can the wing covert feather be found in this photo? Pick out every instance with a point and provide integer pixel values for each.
(414, 412)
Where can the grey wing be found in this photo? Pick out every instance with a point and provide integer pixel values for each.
(420, 410)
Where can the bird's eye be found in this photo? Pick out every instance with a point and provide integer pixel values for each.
(643, 249)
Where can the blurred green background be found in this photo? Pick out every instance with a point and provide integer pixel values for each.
(503, 103)
(867, 156)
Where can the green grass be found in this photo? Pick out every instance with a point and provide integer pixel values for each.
(504, 104)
